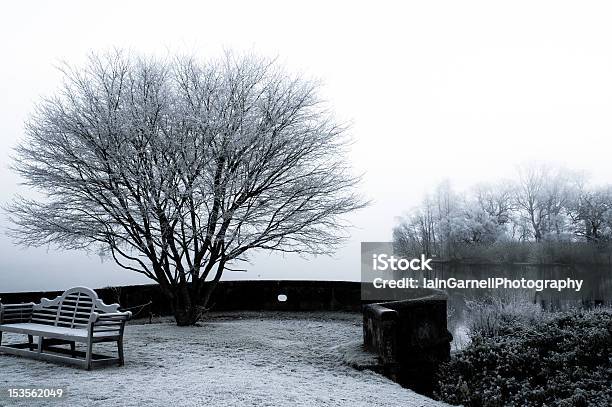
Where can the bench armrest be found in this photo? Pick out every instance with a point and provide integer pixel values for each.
(16, 313)
(111, 324)
(112, 316)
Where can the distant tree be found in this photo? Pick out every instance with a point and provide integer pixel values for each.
(560, 190)
(448, 218)
(479, 226)
(530, 196)
(591, 212)
(408, 235)
(180, 168)
(497, 200)
(416, 233)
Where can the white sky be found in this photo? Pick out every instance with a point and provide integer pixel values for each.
(464, 90)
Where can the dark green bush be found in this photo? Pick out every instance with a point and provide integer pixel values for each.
(564, 359)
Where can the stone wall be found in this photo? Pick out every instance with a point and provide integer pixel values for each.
(231, 295)
(410, 337)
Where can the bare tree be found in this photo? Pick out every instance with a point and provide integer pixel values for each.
(561, 189)
(543, 195)
(179, 168)
(496, 200)
(448, 210)
(417, 232)
(590, 211)
(530, 196)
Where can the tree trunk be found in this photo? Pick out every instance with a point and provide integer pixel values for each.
(186, 316)
(184, 307)
(189, 299)
(208, 290)
(187, 303)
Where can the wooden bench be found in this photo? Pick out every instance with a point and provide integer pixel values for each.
(78, 315)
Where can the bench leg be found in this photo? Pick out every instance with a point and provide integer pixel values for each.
(40, 344)
(0, 338)
(88, 355)
(30, 342)
(73, 349)
(120, 351)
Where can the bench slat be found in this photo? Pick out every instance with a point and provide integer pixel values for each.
(114, 318)
(18, 312)
(45, 314)
(47, 310)
(108, 325)
(43, 318)
(11, 320)
(81, 301)
(70, 319)
(43, 321)
(75, 314)
(10, 309)
(77, 306)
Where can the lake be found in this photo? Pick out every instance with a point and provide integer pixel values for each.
(596, 288)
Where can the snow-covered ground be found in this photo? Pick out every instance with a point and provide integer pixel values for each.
(233, 359)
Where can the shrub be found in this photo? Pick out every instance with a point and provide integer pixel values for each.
(490, 316)
(563, 359)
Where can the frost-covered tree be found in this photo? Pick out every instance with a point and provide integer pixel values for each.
(531, 197)
(179, 168)
(496, 200)
(478, 226)
(448, 217)
(542, 197)
(591, 212)
(416, 233)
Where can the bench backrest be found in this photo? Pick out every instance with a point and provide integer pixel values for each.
(72, 309)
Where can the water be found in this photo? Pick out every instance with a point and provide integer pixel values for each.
(596, 288)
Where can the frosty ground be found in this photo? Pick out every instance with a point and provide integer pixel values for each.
(232, 359)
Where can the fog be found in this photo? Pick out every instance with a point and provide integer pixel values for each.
(434, 90)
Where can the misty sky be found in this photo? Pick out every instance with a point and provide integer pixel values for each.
(464, 90)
